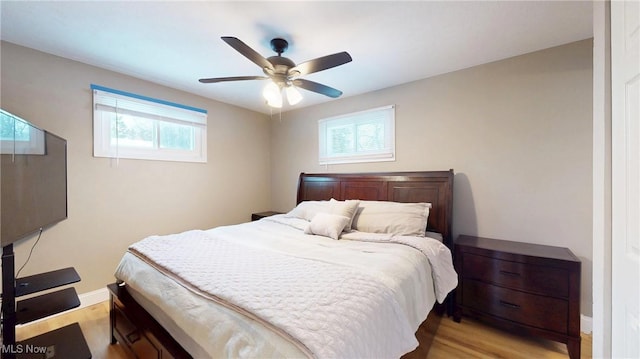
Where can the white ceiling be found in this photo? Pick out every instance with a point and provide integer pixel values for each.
(174, 43)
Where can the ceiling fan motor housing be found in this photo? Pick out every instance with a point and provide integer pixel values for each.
(281, 66)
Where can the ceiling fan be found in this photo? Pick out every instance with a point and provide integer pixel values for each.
(283, 72)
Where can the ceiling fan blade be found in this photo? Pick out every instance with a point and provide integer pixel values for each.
(235, 78)
(247, 52)
(316, 87)
(321, 63)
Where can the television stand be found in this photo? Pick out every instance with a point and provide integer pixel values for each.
(66, 342)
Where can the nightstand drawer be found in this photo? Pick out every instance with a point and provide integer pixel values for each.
(530, 309)
(528, 277)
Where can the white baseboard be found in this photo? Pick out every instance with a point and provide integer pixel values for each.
(93, 297)
(586, 324)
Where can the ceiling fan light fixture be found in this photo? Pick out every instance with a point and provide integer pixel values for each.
(293, 95)
(272, 94)
(275, 103)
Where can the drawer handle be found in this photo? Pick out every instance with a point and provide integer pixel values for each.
(511, 274)
(133, 337)
(510, 305)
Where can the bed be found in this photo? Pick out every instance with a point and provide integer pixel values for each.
(365, 293)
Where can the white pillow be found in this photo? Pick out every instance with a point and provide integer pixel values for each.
(309, 209)
(328, 225)
(346, 208)
(408, 219)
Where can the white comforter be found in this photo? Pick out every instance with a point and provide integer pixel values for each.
(328, 299)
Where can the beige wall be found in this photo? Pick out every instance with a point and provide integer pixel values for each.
(517, 132)
(110, 206)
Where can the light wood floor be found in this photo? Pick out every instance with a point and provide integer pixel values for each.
(468, 339)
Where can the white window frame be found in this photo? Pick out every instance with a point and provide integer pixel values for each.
(384, 115)
(108, 101)
(35, 145)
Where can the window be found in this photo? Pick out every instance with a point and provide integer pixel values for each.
(127, 125)
(19, 137)
(365, 136)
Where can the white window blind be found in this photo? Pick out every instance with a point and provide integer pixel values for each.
(365, 136)
(18, 137)
(128, 125)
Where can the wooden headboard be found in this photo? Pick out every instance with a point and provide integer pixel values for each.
(435, 187)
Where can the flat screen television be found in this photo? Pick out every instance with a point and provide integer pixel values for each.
(33, 176)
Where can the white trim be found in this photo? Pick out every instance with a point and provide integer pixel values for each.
(586, 324)
(601, 280)
(93, 297)
(384, 115)
(34, 145)
(108, 106)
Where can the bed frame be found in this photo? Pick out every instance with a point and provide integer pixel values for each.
(435, 187)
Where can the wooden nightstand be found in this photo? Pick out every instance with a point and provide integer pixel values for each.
(259, 215)
(529, 288)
